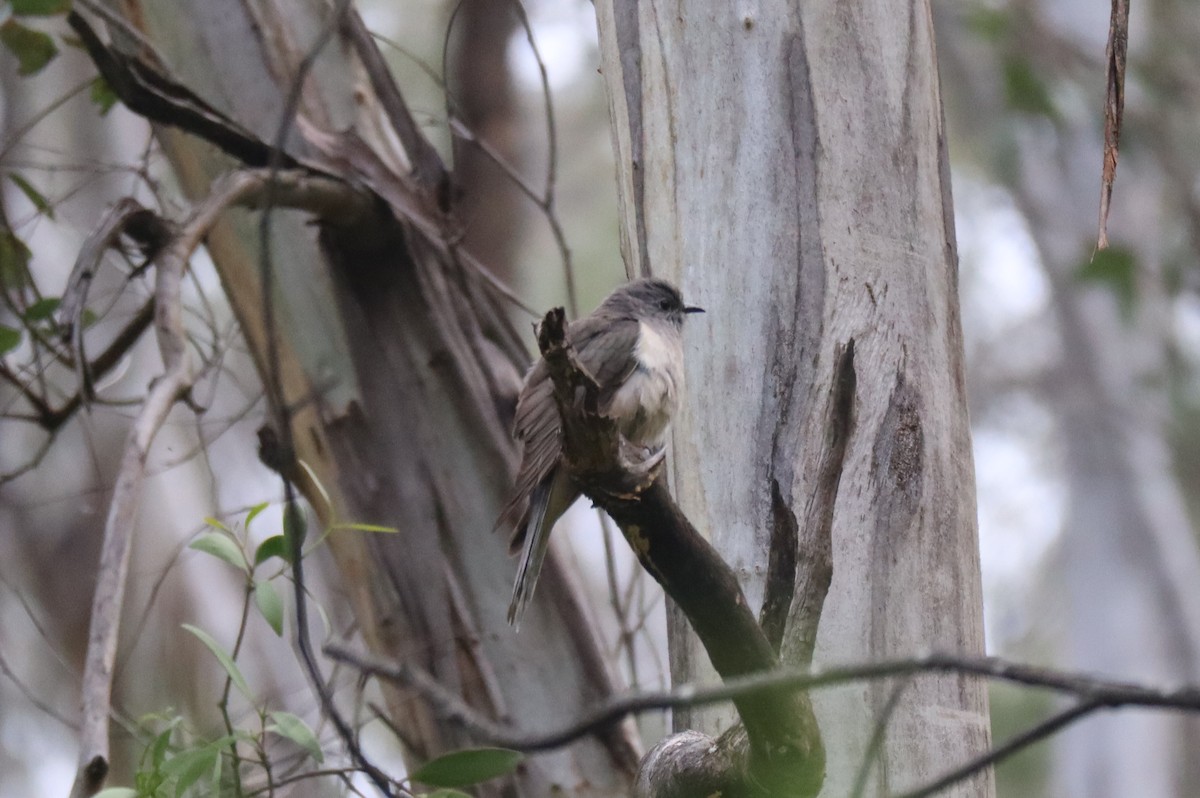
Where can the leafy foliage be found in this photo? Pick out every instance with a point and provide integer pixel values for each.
(32, 48)
(1025, 90)
(468, 766)
(102, 95)
(34, 196)
(1116, 269)
(40, 8)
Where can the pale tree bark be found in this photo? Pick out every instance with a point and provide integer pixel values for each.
(787, 166)
(401, 369)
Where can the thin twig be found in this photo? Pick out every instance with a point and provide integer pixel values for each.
(560, 238)
(1018, 743)
(875, 745)
(1093, 691)
(342, 17)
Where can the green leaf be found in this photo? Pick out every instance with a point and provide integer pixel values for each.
(221, 547)
(447, 794)
(32, 48)
(266, 598)
(102, 95)
(296, 730)
(467, 767)
(295, 524)
(10, 339)
(42, 309)
(158, 749)
(1025, 91)
(117, 792)
(254, 511)
(216, 524)
(14, 260)
(188, 766)
(223, 657)
(34, 196)
(274, 546)
(40, 8)
(1115, 268)
(366, 527)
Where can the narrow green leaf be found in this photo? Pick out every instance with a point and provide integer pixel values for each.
(316, 481)
(214, 780)
(216, 523)
(296, 730)
(221, 547)
(102, 95)
(266, 598)
(42, 309)
(117, 792)
(467, 767)
(14, 260)
(189, 766)
(447, 794)
(223, 657)
(274, 546)
(366, 527)
(40, 8)
(10, 339)
(35, 197)
(158, 749)
(32, 48)
(254, 511)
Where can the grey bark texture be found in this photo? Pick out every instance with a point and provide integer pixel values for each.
(416, 371)
(787, 166)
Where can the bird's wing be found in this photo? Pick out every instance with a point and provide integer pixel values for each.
(610, 359)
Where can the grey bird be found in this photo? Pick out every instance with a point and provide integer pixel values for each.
(633, 346)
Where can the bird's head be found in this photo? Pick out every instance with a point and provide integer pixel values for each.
(650, 297)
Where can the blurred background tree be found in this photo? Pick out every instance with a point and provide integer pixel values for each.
(1082, 371)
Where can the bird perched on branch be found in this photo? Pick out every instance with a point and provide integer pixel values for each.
(632, 345)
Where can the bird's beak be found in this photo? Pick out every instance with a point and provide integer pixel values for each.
(693, 310)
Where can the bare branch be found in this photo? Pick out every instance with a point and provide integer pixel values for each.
(114, 554)
(1094, 693)
(329, 198)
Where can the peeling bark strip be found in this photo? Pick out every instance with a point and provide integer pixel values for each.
(1114, 108)
(159, 99)
(781, 744)
(815, 567)
(781, 568)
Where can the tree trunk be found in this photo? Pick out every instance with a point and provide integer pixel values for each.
(415, 370)
(788, 167)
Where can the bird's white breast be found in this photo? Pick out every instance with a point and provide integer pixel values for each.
(644, 404)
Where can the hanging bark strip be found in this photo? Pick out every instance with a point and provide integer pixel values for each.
(1114, 108)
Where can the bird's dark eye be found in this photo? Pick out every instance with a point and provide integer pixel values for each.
(664, 304)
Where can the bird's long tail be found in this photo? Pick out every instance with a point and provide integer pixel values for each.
(549, 501)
